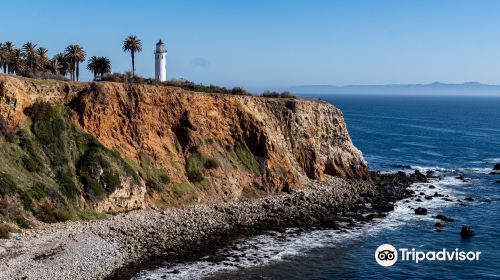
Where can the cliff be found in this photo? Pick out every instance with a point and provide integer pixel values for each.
(113, 147)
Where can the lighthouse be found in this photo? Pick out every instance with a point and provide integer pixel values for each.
(160, 62)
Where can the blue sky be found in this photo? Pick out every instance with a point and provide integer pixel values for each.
(276, 44)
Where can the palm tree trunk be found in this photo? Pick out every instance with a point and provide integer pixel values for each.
(133, 64)
(77, 70)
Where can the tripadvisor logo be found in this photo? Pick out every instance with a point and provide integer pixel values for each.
(387, 255)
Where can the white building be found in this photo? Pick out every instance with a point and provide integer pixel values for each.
(161, 62)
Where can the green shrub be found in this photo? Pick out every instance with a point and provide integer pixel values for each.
(181, 190)
(196, 163)
(5, 231)
(7, 184)
(246, 157)
(49, 126)
(211, 163)
(93, 190)
(194, 167)
(30, 164)
(91, 215)
(164, 178)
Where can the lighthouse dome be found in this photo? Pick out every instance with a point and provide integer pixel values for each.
(160, 47)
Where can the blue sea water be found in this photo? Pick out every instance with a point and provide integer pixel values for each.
(452, 135)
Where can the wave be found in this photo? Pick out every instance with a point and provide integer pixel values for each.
(273, 247)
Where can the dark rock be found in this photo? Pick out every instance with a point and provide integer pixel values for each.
(421, 211)
(470, 198)
(447, 199)
(462, 178)
(383, 207)
(438, 225)
(497, 182)
(428, 197)
(432, 187)
(436, 194)
(444, 218)
(496, 167)
(418, 200)
(422, 193)
(467, 232)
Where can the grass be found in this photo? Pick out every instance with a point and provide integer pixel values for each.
(7, 184)
(246, 157)
(91, 215)
(5, 231)
(196, 164)
(181, 190)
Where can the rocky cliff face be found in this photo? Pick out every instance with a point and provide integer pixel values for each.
(168, 146)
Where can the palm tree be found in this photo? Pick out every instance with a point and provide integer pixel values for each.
(62, 64)
(42, 58)
(75, 54)
(99, 66)
(16, 62)
(104, 66)
(93, 66)
(3, 58)
(8, 49)
(29, 52)
(132, 44)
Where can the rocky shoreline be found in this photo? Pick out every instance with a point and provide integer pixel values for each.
(118, 247)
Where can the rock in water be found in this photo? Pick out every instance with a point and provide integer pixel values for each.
(470, 198)
(496, 167)
(444, 218)
(421, 211)
(467, 232)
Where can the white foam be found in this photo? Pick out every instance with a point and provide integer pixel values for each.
(273, 247)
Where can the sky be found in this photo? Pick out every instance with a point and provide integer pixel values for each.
(276, 44)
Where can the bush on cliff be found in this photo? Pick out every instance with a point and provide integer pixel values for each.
(196, 163)
(274, 94)
(246, 157)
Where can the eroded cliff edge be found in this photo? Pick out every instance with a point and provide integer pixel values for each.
(164, 146)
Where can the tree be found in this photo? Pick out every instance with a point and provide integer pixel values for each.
(74, 54)
(16, 63)
(99, 66)
(29, 53)
(3, 58)
(104, 66)
(132, 44)
(60, 64)
(42, 60)
(92, 66)
(8, 49)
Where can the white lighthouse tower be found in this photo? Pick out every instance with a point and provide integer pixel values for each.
(160, 62)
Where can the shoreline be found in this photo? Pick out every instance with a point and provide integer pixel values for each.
(122, 245)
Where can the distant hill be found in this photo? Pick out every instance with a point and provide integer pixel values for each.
(436, 88)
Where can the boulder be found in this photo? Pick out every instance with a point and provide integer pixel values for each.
(469, 198)
(421, 211)
(467, 232)
(496, 167)
(444, 218)
(432, 187)
(462, 178)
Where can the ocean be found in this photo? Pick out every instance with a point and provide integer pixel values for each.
(454, 136)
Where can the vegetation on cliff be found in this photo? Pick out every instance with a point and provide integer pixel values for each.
(75, 150)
